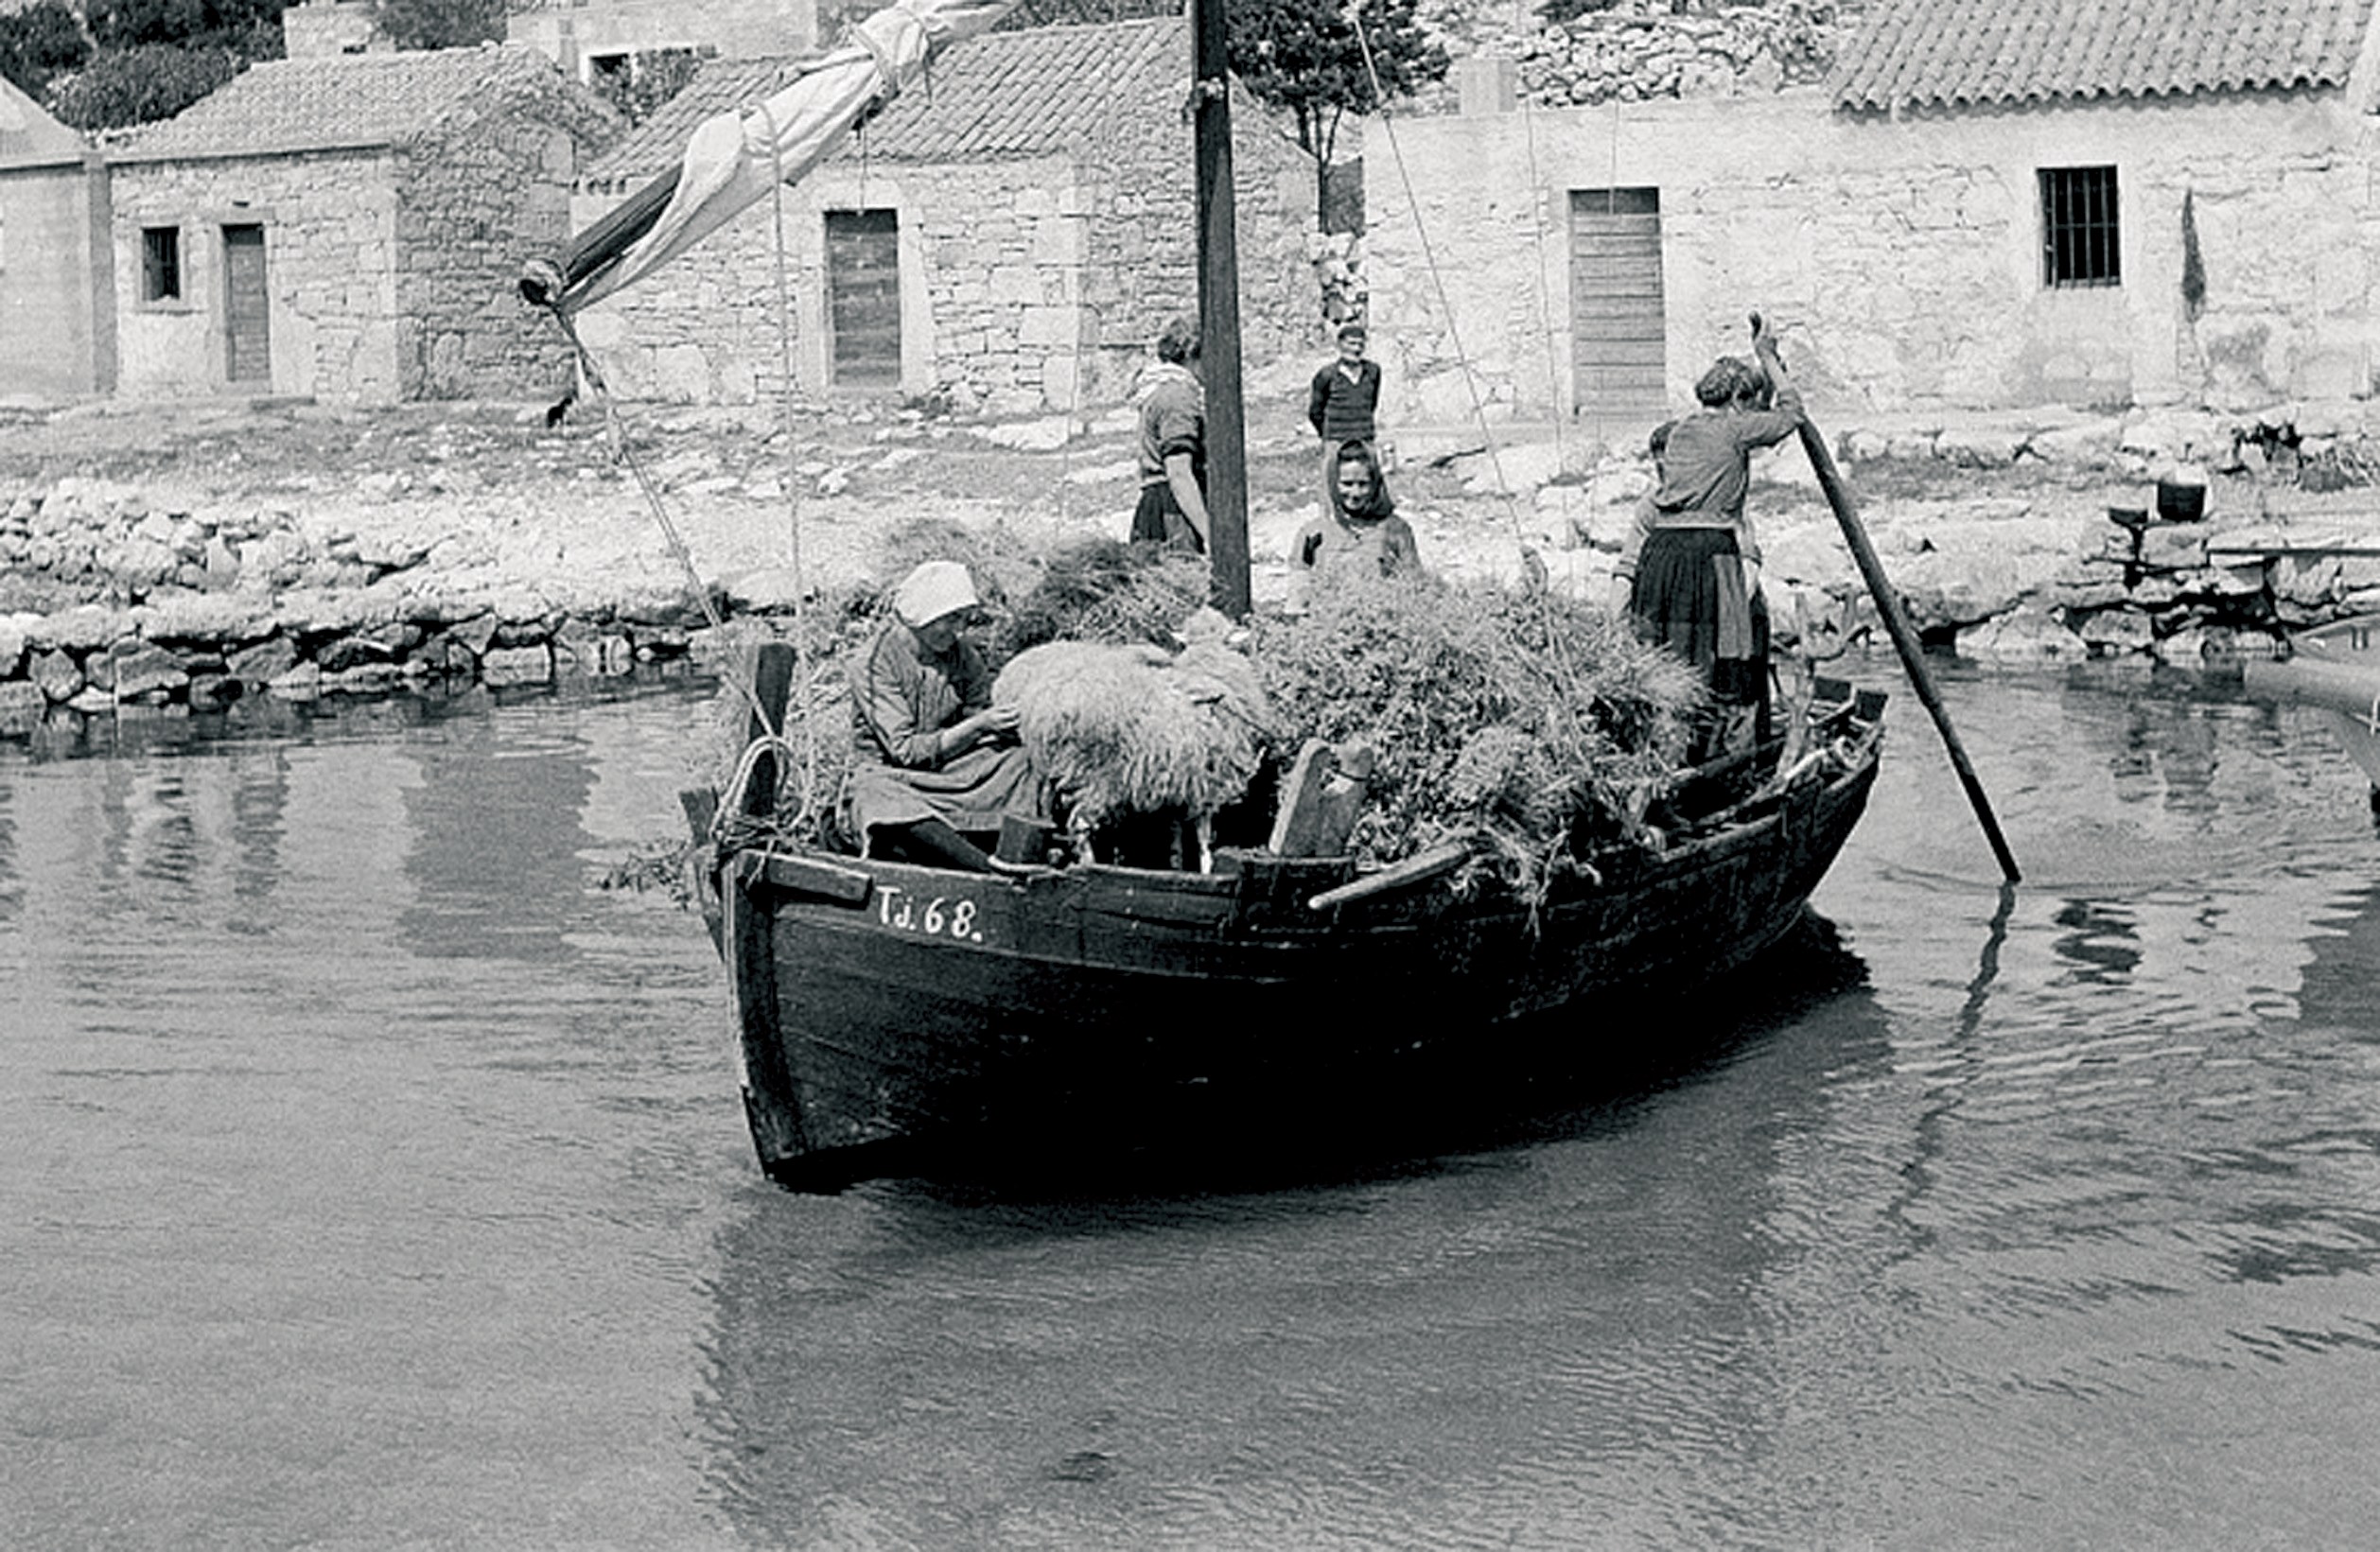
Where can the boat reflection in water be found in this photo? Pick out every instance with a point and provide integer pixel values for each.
(1214, 1352)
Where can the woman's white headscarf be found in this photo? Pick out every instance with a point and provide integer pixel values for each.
(935, 588)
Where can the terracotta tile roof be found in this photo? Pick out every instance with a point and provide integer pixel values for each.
(999, 96)
(339, 101)
(1954, 53)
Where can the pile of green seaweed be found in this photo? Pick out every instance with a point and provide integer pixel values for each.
(1529, 727)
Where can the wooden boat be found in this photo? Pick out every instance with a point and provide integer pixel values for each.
(882, 1009)
(2336, 667)
(890, 1017)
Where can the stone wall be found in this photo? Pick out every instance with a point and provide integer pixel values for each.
(1640, 50)
(1028, 286)
(56, 314)
(198, 608)
(318, 28)
(570, 32)
(331, 248)
(1902, 257)
(472, 204)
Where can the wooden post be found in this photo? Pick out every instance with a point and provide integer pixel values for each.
(1904, 635)
(1219, 314)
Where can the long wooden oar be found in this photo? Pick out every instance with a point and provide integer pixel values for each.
(1904, 635)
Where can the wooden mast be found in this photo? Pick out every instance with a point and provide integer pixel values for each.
(1219, 312)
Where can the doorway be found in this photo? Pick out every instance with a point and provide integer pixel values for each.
(864, 298)
(247, 306)
(1619, 322)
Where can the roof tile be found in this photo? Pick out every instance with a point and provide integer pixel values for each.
(998, 97)
(334, 101)
(1936, 53)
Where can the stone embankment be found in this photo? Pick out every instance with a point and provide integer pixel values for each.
(201, 607)
(2019, 539)
(424, 567)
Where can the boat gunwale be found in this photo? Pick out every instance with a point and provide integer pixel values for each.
(1111, 881)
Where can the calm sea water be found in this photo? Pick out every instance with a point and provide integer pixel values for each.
(371, 1175)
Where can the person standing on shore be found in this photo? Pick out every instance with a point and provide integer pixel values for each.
(1345, 402)
(1172, 508)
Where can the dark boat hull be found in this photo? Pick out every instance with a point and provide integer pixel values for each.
(883, 1008)
(2336, 668)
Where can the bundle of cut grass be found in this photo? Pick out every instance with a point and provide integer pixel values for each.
(1102, 591)
(1532, 726)
(816, 719)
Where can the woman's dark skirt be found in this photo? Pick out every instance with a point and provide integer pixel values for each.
(1159, 518)
(1689, 595)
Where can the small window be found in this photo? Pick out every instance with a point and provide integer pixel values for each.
(160, 263)
(2080, 243)
(615, 68)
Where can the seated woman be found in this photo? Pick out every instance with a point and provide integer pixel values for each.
(1362, 525)
(936, 765)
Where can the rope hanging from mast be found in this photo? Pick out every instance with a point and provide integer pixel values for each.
(1438, 284)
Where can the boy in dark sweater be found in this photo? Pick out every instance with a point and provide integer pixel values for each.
(1341, 405)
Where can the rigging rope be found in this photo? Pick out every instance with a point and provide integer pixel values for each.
(809, 762)
(1437, 283)
(626, 455)
(1545, 311)
(1532, 565)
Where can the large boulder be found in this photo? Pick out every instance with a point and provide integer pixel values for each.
(22, 706)
(138, 669)
(221, 618)
(57, 673)
(84, 628)
(264, 662)
(2025, 635)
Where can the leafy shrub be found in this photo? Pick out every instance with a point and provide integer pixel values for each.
(125, 24)
(39, 43)
(141, 85)
(652, 78)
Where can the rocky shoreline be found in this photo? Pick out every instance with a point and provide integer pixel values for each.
(190, 583)
(201, 608)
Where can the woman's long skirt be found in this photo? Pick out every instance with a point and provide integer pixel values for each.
(1689, 595)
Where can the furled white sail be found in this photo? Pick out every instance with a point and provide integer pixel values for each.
(733, 158)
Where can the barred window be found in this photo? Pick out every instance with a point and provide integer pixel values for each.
(2080, 243)
(160, 263)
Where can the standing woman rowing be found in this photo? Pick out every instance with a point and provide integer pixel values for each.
(1691, 570)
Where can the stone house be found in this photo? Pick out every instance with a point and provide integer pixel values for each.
(57, 317)
(1982, 207)
(347, 228)
(590, 38)
(1009, 238)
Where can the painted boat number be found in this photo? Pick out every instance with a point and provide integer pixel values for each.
(944, 915)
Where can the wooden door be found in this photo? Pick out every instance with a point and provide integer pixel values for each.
(247, 306)
(1618, 325)
(863, 297)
